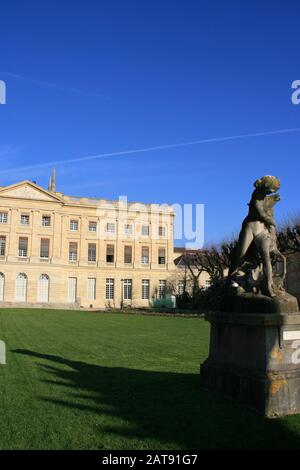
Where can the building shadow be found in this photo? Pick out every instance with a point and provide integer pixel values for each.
(160, 405)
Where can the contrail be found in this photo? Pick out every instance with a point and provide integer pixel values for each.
(147, 149)
(38, 82)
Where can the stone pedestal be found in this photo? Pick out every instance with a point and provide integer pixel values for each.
(254, 360)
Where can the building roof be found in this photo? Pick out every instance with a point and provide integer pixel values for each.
(183, 253)
(30, 190)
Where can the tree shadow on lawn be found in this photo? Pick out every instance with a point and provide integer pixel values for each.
(166, 406)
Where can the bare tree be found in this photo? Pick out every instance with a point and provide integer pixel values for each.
(194, 263)
(213, 260)
(288, 236)
(217, 259)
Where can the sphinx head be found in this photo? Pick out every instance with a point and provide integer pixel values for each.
(269, 184)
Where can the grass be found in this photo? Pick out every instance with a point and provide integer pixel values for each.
(83, 380)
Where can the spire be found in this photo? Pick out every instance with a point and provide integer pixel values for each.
(52, 181)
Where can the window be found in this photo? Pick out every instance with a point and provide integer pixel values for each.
(128, 229)
(145, 230)
(161, 256)
(110, 289)
(43, 288)
(127, 289)
(2, 281)
(46, 221)
(24, 219)
(110, 249)
(92, 256)
(145, 255)
(44, 251)
(162, 289)
(91, 288)
(2, 245)
(110, 227)
(21, 288)
(181, 287)
(145, 289)
(162, 231)
(74, 225)
(3, 217)
(207, 283)
(92, 226)
(72, 289)
(128, 254)
(23, 247)
(73, 251)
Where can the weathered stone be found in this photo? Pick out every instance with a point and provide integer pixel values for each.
(252, 303)
(256, 252)
(254, 356)
(254, 360)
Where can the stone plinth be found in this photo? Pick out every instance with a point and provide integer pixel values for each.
(254, 360)
(252, 303)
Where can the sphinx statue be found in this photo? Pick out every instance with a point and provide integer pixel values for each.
(258, 267)
(253, 338)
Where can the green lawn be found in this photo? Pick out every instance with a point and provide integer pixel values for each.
(83, 380)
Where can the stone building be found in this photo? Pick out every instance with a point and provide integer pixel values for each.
(64, 251)
(183, 278)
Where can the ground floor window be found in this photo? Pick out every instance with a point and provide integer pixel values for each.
(21, 288)
(72, 289)
(145, 289)
(162, 289)
(43, 288)
(91, 288)
(110, 289)
(181, 287)
(127, 289)
(2, 279)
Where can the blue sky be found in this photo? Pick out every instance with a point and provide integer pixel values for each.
(91, 77)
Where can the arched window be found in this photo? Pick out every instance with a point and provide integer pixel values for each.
(43, 288)
(21, 288)
(2, 279)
